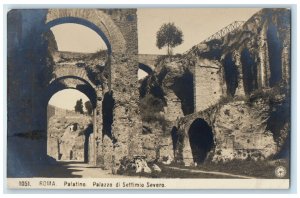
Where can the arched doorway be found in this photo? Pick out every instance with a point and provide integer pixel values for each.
(201, 139)
(69, 125)
(231, 74)
(249, 67)
(82, 63)
(174, 135)
(79, 21)
(30, 94)
(275, 50)
(118, 30)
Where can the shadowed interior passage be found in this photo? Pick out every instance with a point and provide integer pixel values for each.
(275, 50)
(201, 139)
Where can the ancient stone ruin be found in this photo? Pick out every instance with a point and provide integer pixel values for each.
(226, 98)
(68, 134)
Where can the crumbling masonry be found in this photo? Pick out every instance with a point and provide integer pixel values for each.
(253, 58)
(32, 51)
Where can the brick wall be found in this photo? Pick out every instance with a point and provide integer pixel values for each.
(208, 82)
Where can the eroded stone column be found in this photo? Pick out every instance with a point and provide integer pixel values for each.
(240, 91)
(286, 63)
(263, 65)
(98, 126)
(127, 124)
(93, 152)
(187, 152)
(173, 109)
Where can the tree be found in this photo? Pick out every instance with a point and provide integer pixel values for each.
(168, 36)
(79, 106)
(88, 107)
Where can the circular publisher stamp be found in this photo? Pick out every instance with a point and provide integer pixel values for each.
(280, 171)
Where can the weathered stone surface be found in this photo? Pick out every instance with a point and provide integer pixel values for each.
(208, 83)
(137, 164)
(240, 132)
(141, 166)
(249, 62)
(166, 151)
(67, 132)
(97, 17)
(195, 85)
(156, 168)
(107, 152)
(49, 71)
(71, 146)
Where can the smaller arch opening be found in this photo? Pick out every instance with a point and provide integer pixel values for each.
(79, 47)
(231, 74)
(107, 112)
(249, 71)
(72, 37)
(71, 83)
(275, 50)
(183, 88)
(174, 135)
(83, 22)
(201, 140)
(69, 125)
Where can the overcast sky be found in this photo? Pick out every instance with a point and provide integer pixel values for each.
(67, 98)
(196, 25)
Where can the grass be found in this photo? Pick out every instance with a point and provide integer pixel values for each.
(259, 169)
(171, 173)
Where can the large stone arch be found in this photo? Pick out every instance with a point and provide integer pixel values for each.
(118, 29)
(32, 78)
(275, 54)
(71, 82)
(71, 70)
(95, 19)
(201, 139)
(230, 74)
(183, 152)
(84, 86)
(249, 69)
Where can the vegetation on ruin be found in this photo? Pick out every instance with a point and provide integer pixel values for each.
(169, 36)
(88, 107)
(151, 109)
(257, 169)
(79, 106)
